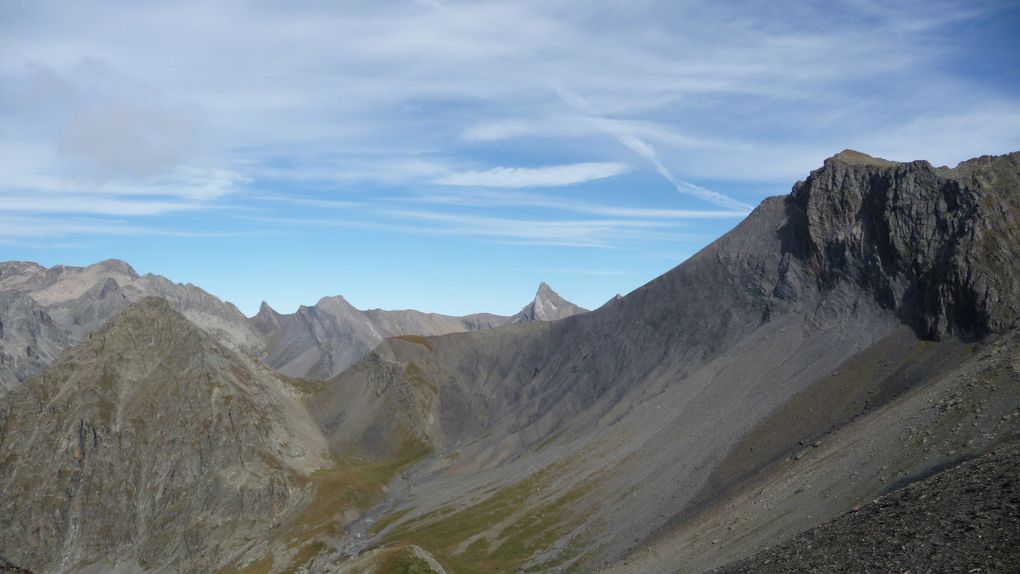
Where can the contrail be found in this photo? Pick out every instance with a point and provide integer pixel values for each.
(626, 136)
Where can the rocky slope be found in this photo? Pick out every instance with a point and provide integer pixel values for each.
(29, 339)
(839, 311)
(325, 339)
(965, 519)
(78, 300)
(150, 444)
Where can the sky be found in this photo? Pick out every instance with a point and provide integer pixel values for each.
(450, 155)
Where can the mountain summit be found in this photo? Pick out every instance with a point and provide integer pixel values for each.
(547, 306)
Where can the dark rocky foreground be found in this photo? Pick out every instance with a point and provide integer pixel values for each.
(965, 519)
(8, 568)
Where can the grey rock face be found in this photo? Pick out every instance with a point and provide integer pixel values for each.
(29, 339)
(148, 445)
(79, 300)
(941, 247)
(547, 306)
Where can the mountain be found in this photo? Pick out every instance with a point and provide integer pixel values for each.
(78, 300)
(547, 306)
(840, 346)
(319, 341)
(325, 339)
(850, 337)
(150, 444)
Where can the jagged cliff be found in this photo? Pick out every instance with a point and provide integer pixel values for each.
(941, 247)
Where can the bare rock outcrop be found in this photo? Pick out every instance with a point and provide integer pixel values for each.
(941, 247)
(149, 444)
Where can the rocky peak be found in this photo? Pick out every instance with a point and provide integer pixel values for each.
(544, 290)
(114, 266)
(336, 304)
(943, 253)
(10, 269)
(266, 320)
(142, 327)
(546, 306)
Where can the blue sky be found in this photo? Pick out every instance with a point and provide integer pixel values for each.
(449, 156)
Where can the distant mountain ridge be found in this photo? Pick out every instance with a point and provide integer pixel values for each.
(43, 311)
(325, 339)
(75, 301)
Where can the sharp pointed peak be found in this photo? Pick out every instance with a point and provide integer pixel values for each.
(545, 289)
(265, 309)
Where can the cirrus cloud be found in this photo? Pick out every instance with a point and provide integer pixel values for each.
(549, 176)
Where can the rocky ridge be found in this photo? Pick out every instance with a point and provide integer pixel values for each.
(150, 444)
(318, 341)
(325, 339)
(78, 300)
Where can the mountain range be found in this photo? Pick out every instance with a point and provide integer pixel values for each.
(47, 310)
(796, 391)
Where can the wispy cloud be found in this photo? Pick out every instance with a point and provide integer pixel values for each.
(549, 176)
(626, 136)
(443, 121)
(79, 204)
(491, 199)
(605, 233)
(583, 126)
(27, 227)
